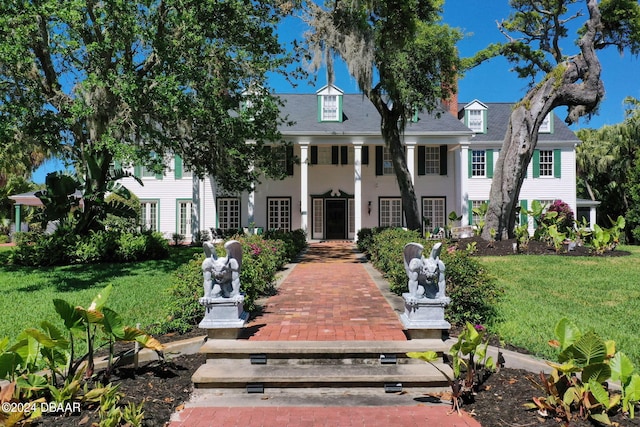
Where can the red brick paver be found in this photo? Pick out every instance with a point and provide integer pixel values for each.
(296, 416)
(329, 296)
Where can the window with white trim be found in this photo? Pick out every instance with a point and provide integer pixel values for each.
(433, 213)
(431, 160)
(390, 212)
(478, 163)
(184, 218)
(281, 157)
(324, 155)
(318, 217)
(149, 215)
(476, 120)
(228, 213)
(329, 107)
(545, 126)
(546, 163)
(387, 164)
(279, 214)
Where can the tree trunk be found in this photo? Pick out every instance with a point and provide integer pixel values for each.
(391, 129)
(575, 83)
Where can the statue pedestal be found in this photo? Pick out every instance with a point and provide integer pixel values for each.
(223, 317)
(423, 318)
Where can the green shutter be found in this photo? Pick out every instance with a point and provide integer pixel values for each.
(484, 121)
(443, 159)
(470, 211)
(339, 108)
(421, 160)
(178, 167)
(523, 212)
(319, 108)
(557, 163)
(137, 171)
(470, 165)
(536, 163)
(379, 169)
(489, 162)
(117, 165)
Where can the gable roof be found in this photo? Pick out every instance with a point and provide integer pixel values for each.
(498, 114)
(359, 118)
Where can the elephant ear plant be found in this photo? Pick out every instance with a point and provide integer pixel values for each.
(469, 361)
(578, 384)
(41, 366)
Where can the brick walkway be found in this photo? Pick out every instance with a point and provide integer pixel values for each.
(328, 296)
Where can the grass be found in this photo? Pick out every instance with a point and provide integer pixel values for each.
(138, 295)
(596, 293)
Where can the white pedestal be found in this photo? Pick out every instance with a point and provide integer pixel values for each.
(223, 317)
(424, 317)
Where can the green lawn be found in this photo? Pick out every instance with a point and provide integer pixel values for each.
(599, 293)
(138, 294)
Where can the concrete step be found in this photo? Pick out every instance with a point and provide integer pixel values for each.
(318, 364)
(240, 349)
(227, 374)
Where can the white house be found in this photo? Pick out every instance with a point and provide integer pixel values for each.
(344, 180)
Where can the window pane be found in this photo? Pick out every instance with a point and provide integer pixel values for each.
(478, 163)
(387, 164)
(229, 214)
(432, 160)
(546, 162)
(329, 107)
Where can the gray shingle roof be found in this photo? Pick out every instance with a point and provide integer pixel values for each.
(498, 119)
(359, 117)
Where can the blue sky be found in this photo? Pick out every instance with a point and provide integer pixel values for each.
(490, 82)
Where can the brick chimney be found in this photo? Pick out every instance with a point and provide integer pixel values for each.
(450, 103)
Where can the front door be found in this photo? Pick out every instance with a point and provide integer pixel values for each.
(336, 218)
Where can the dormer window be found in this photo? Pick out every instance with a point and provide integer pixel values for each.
(546, 125)
(475, 117)
(329, 104)
(329, 108)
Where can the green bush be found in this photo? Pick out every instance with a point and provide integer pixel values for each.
(473, 293)
(4, 239)
(365, 238)
(261, 259)
(62, 248)
(294, 241)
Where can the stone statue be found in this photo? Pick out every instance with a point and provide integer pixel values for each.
(221, 275)
(426, 275)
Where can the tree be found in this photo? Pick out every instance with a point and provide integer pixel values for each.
(403, 59)
(133, 81)
(607, 165)
(566, 80)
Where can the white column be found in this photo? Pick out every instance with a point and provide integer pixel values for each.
(463, 180)
(304, 186)
(357, 186)
(251, 203)
(214, 205)
(411, 160)
(195, 205)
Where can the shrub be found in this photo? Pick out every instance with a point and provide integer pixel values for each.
(261, 259)
(473, 293)
(4, 238)
(563, 218)
(63, 247)
(294, 241)
(365, 238)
